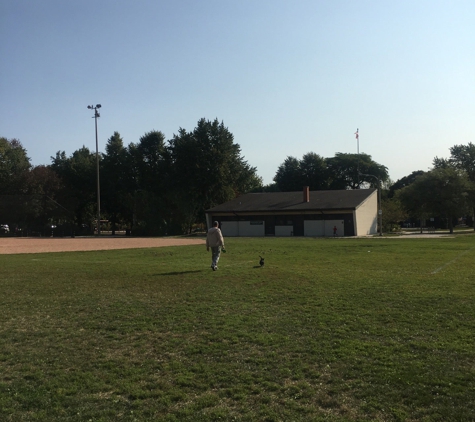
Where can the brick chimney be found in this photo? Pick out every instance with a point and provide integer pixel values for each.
(306, 194)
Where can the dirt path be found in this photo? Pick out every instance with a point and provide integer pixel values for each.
(16, 245)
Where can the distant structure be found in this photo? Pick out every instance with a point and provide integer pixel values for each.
(316, 213)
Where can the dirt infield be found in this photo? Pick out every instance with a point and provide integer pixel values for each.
(17, 245)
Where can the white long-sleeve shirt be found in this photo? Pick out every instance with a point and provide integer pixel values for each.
(214, 238)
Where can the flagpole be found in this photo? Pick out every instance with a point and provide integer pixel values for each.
(358, 152)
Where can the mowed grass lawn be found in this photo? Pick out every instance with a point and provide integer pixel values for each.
(329, 329)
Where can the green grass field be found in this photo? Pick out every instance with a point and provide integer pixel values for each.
(328, 330)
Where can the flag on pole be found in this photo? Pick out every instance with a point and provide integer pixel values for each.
(356, 133)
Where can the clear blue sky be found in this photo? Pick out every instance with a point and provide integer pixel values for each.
(286, 77)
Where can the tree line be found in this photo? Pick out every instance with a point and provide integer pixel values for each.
(153, 187)
(438, 198)
(445, 194)
(163, 187)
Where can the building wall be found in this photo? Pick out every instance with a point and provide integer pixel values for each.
(324, 228)
(314, 228)
(315, 225)
(284, 231)
(243, 228)
(366, 216)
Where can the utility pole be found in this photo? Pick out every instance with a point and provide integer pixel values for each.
(96, 115)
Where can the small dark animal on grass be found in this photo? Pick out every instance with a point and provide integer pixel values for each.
(261, 262)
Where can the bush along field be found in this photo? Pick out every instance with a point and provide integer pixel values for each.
(326, 330)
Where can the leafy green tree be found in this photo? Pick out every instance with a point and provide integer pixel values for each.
(442, 192)
(14, 166)
(403, 182)
(153, 162)
(272, 187)
(344, 171)
(351, 171)
(289, 175)
(41, 196)
(115, 180)
(294, 174)
(78, 176)
(393, 214)
(314, 171)
(462, 157)
(208, 169)
(149, 181)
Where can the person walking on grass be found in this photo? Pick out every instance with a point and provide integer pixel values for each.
(215, 241)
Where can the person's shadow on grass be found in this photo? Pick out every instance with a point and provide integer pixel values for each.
(180, 272)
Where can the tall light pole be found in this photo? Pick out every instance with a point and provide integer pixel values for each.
(96, 115)
(380, 211)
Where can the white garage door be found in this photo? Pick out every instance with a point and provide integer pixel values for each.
(323, 228)
(230, 228)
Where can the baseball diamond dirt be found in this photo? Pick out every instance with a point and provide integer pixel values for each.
(17, 245)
